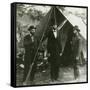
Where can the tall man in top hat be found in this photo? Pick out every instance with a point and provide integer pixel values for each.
(54, 49)
(76, 50)
(29, 45)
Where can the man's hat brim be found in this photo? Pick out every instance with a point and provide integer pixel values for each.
(76, 28)
(31, 27)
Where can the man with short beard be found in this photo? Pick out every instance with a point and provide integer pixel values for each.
(29, 45)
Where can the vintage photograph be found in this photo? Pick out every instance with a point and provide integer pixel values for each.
(51, 44)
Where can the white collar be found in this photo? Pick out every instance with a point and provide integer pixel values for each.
(55, 34)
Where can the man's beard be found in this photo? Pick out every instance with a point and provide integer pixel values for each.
(32, 33)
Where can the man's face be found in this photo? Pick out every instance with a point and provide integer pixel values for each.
(32, 31)
(76, 32)
(55, 28)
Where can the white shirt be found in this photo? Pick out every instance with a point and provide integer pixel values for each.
(55, 34)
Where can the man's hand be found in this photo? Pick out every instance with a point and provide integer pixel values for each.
(60, 54)
(77, 58)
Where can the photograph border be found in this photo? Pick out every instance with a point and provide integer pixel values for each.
(13, 44)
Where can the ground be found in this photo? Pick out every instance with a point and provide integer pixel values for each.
(65, 76)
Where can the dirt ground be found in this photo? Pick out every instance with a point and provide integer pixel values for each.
(66, 75)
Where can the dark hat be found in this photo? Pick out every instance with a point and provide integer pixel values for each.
(76, 28)
(31, 27)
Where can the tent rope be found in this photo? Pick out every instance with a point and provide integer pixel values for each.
(31, 66)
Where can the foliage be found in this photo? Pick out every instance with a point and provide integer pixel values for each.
(22, 9)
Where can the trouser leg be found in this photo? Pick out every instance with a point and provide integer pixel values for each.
(76, 70)
(33, 71)
(52, 72)
(56, 72)
(26, 68)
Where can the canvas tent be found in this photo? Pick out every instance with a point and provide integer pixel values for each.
(54, 16)
(75, 20)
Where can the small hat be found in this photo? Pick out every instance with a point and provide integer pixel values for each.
(76, 28)
(31, 27)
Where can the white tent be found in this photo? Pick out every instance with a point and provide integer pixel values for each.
(75, 20)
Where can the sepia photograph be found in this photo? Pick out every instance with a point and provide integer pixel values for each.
(51, 44)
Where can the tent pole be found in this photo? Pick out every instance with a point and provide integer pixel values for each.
(31, 66)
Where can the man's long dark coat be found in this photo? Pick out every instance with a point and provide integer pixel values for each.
(54, 48)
